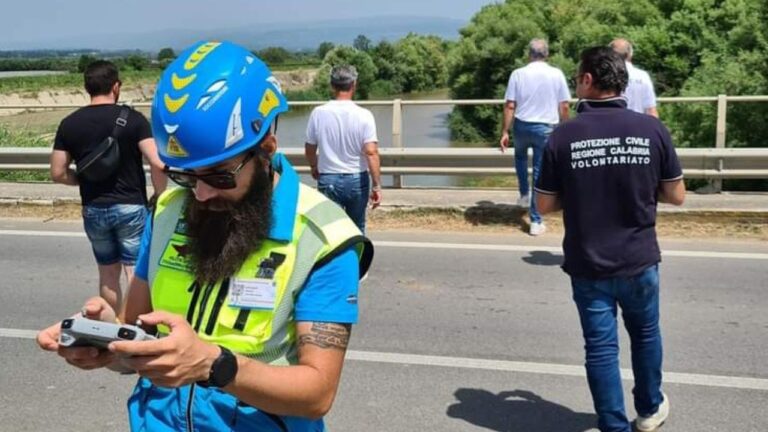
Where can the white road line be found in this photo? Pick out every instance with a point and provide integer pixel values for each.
(703, 254)
(550, 369)
(554, 249)
(456, 246)
(18, 333)
(41, 233)
(468, 246)
(745, 383)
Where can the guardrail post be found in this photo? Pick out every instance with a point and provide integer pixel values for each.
(397, 135)
(722, 110)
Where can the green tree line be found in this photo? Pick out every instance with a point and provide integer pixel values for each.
(413, 63)
(30, 64)
(690, 48)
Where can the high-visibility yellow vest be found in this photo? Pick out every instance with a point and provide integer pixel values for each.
(321, 231)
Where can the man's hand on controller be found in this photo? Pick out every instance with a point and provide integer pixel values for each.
(175, 360)
(95, 308)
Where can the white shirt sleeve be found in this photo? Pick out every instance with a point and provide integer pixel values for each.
(511, 94)
(564, 95)
(649, 96)
(369, 128)
(311, 137)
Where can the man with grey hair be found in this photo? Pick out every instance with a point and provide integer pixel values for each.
(639, 93)
(342, 148)
(536, 100)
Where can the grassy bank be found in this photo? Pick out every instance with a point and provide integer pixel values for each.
(12, 137)
(29, 85)
(74, 81)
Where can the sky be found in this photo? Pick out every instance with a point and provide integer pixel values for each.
(25, 21)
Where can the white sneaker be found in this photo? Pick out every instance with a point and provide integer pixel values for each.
(654, 421)
(537, 228)
(524, 201)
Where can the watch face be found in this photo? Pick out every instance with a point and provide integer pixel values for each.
(224, 369)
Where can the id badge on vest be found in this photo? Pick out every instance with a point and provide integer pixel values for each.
(252, 293)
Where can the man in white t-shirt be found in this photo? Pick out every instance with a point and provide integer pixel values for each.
(536, 100)
(639, 93)
(342, 149)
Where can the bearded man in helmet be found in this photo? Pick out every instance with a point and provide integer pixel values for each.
(249, 277)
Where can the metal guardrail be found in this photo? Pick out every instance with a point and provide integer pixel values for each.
(710, 163)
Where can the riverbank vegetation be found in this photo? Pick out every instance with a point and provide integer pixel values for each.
(414, 63)
(690, 48)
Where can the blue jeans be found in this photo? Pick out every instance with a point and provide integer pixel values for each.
(350, 191)
(638, 297)
(529, 135)
(115, 232)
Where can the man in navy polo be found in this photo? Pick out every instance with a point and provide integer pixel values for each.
(607, 169)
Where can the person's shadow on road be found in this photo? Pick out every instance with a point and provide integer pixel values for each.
(517, 411)
(543, 258)
(490, 213)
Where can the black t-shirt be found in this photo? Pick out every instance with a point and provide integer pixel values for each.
(87, 127)
(607, 165)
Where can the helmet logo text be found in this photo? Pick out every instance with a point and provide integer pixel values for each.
(212, 95)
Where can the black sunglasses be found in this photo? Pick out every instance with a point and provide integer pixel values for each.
(225, 179)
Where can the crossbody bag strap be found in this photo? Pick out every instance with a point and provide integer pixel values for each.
(121, 121)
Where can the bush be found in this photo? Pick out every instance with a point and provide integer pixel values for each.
(341, 55)
(384, 88)
(166, 54)
(274, 55)
(420, 63)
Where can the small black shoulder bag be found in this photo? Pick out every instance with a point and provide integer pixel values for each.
(103, 161)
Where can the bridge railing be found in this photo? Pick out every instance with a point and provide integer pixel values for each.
(716, 163)
(703, 163)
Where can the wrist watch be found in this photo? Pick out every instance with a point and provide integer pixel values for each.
(223, 370)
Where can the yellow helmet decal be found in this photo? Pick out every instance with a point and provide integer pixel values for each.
(268, 102)
(174, 148)
(174, 105)
(196, 57)
(179, 83)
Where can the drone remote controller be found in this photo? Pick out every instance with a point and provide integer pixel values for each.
(80, 331)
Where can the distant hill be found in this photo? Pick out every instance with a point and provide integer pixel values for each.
(293, 36)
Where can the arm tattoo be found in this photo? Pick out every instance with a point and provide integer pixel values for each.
(327, 335)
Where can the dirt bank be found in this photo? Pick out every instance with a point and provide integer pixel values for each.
(299, 79)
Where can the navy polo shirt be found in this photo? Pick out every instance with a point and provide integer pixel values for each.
(606, 165)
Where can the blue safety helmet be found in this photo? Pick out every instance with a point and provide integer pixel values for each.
(215, 101)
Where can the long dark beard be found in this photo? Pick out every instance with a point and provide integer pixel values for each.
(221, 240)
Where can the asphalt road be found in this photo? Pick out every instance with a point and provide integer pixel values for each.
(452, 337)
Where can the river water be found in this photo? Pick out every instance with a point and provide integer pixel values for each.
(423, 126)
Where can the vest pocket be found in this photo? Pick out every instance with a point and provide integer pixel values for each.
(256, 331)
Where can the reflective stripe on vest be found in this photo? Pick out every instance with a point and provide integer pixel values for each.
(321, 230)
